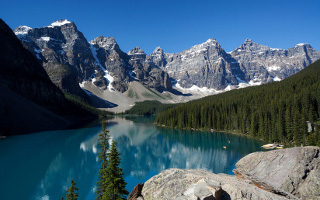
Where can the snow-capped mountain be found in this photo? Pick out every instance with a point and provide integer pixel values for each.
(63, 51)
(70, 60)
(263, 64)
(204, 65)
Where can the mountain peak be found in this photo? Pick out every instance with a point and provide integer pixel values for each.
(108, 43)
(136, 51)
(248, 41)
(21, 30)
(158, 50)
(60, 22)
(211, 41)
(302, 45)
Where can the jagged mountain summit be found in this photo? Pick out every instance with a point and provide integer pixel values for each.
(70, 59)
(101, 67)
(263, 64)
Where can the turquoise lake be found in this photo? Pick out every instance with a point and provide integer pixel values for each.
(41, 165)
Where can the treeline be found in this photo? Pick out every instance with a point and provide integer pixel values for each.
(148, 108)
(275, 112)
(86, 105)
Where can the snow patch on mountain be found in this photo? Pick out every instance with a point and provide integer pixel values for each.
(301, 44)
(59, 23)
(107, 75)
(22, 30)
(273, 68)
(45, 39)
(276, 78)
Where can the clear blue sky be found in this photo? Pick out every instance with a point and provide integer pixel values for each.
(177, 25)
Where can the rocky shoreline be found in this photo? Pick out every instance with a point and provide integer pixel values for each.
(292, 173)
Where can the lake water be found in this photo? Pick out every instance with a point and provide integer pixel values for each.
(41, 165)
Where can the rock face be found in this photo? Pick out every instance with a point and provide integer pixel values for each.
(262, 64)
(64, 53)
(280, 174)
(148, 72)
(203, 65)
(21, 72)
(295, 170)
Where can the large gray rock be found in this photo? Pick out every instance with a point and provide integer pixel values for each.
(280, 174)
(295, 170)
(199, 184)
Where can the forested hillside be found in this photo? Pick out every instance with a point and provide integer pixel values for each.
(275, 112)
(148, 108)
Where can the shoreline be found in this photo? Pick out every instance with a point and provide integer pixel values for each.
(234, 132)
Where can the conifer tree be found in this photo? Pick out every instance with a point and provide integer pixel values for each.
(115, 184)
(72, 192)
(103, 159)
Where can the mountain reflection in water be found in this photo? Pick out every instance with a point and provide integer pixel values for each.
(41, 165)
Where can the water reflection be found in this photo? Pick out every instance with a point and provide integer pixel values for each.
(41, 165)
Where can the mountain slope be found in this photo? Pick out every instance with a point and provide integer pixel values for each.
(29, 101)
(277, 111)
(26, 88)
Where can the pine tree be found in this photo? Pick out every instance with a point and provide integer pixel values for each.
(115, 184)
(104, 145)
(71, 192)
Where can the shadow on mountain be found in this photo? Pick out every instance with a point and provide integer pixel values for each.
(99, 102)
(176, 92)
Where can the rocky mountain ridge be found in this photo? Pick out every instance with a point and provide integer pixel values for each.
(72, 62)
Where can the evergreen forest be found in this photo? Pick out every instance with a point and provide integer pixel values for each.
(148, 108)
(286, 112)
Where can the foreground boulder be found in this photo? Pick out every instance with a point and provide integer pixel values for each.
(295, 170)
(200, 184)
(292, 173)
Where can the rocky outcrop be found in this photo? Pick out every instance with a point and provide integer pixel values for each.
(178, 184)
(295, 170)
(135, 194)
(280, 174)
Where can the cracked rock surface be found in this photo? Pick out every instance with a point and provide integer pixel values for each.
(295, 170)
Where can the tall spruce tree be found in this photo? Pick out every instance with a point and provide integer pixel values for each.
(115, 184)
(103, 159)
(72, 192)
